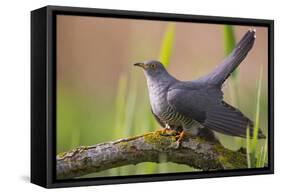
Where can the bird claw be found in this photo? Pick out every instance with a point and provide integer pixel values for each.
(180, 137)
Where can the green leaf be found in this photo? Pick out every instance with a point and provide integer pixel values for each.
(255, 158)
(229, 43)
(167, 45)
(257, 119)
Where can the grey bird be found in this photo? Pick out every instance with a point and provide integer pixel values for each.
(198, 106)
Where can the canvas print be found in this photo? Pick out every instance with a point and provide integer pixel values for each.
(144, 97)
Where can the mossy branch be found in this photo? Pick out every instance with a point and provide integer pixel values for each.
(193, 151)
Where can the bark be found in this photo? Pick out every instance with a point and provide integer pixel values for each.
(151, 147)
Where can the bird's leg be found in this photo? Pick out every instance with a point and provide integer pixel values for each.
(180, 137)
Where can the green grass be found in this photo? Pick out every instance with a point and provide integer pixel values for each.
(257, 117)
(167, 45)
(248, 147)
(229, 44)
(261, 162)
(257, 155)
(262, 156)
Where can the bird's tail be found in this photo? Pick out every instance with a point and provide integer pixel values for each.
(223, 70)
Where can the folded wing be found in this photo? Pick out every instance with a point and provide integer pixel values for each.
(206, 106)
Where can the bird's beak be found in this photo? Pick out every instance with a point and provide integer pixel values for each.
(140, 65)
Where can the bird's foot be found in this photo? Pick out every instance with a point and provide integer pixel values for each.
(180, 137)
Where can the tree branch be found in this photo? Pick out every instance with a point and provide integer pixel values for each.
(193, 151)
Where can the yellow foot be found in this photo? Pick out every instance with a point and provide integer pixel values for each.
(181, 137)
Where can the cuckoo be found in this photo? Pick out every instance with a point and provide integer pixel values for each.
(197, 106)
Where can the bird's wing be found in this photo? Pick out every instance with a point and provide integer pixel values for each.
(223, 70)
(206, 106)
(161, 123)
(226, 119)
(192, 100)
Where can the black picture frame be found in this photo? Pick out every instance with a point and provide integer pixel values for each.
(43, 95)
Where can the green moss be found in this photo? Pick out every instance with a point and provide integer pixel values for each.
(61, 155)
(159, 140)
(124, 144)
(231, 159)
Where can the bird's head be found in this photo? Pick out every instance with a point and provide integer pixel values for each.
(152, 68)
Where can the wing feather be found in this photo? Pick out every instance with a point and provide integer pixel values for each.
(205, 105)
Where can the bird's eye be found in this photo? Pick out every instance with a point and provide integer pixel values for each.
(153, 66)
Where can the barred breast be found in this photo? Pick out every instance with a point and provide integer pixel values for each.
(172, 117)
(162, 109)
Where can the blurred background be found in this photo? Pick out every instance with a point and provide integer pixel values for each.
(102, 97)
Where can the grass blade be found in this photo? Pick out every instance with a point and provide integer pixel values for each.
(167, 45)
(254, 157)
(229, 42)
(257, 117)
(248, 147)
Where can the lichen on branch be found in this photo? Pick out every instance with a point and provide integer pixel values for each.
(193, 151)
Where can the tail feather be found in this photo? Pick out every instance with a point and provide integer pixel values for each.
(239, 53)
